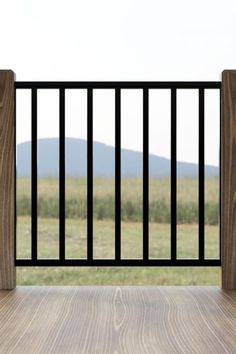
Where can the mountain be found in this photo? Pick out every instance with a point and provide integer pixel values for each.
(104, 161)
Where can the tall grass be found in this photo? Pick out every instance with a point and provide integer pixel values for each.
(131, 206)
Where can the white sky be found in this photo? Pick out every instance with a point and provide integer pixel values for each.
(121, 40)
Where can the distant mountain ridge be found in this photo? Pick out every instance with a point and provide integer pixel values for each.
(103, 161)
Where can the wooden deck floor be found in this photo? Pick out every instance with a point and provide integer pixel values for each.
(109, 319)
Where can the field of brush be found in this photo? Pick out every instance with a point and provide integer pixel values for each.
(131, 231)
(131, 206)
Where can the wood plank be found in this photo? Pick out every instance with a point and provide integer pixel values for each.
(118, 319)
(228, 179)
(7, 180)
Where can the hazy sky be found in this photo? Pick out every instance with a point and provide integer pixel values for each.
(121, 40)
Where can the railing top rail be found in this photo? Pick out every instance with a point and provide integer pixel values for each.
(118, 84)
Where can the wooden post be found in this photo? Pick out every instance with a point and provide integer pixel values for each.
(228, 179)
(7, 180)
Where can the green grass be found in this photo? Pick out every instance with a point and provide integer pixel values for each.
(131, 207)
(104, 247)
(76, 213)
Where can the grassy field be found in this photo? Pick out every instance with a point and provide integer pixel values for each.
(104, 231)
(104, 247)
(159, 205)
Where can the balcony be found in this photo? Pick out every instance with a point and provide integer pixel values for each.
(113, 319)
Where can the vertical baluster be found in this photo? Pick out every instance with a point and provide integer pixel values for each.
(145, 175)
(62, 175)
(90, 174)
(173, 175)
(201, 184)
(34, 177)
(117, 175)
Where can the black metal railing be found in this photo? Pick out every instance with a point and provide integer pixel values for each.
(117, 261)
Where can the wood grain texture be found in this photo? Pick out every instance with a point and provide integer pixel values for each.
(7, 180)
(113, 319)
(228, 179)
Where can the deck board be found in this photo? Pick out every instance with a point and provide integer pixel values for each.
(117, 319)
